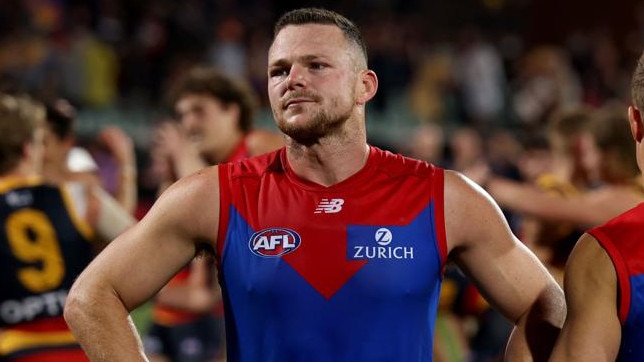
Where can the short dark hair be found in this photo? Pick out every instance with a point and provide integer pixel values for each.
(228, 90)
(637, 84)
(60, 121)
(322, 16)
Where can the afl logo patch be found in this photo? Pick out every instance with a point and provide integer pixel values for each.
(274, 242)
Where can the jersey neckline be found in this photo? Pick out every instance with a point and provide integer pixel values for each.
(352, 182)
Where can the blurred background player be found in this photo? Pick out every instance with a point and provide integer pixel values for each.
(50, 234)
(216, 114)
(603, 281)
(567, 176)
(64, 160)
(608, 160)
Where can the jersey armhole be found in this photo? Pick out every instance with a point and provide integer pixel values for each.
(75, 196)
(224, 208)
(624, 286)
(438, 193)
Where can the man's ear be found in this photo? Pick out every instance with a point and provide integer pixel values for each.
(368, 86)
(635, 121)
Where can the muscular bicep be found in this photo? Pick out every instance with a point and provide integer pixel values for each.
(592, 330)
(143, 258)
(480, 241)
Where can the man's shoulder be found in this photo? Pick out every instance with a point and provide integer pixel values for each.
(396, 163)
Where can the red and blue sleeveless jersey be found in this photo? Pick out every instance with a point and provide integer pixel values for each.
(44, 246)
(350, 272)
(622, 238)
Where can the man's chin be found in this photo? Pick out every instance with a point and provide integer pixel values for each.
(202, 148)
(304, 135)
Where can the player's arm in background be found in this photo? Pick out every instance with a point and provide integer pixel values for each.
(589, 209)
(506, 272)
(121, 147)
(101, 211)
(138, 263)
(592, 330)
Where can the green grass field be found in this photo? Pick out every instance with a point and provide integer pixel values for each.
(142, 317)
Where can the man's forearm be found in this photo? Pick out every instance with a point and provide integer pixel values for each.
(536, 332)
(103, 328)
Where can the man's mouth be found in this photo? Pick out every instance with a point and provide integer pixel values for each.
(195, 137)
(295, 101)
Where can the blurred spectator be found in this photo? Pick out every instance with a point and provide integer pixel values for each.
(89, 65)
(466, 149)
(607, 79)
(534, 157)
(481, 78)
(504, 148)
(258, 45)
(228, 51)
(546, 82)
(428, 144)
(432, 91)
(386, 33)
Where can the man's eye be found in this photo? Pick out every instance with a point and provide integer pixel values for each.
(278, 73)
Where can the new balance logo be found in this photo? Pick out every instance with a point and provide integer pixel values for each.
(329, 206)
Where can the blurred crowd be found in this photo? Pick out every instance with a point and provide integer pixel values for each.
(469, 94)
(477, 69)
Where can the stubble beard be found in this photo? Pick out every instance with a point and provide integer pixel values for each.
(319, 125)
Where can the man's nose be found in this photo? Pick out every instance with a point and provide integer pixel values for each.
(296, 77)
(188, 121)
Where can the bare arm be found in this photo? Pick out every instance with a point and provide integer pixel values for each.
(112, 219)
(137, 264)
(508, 275)
(121, 147)
(99, 209)
(592, 331)
(593, 208)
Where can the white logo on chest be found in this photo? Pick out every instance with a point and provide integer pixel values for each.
(329, 206)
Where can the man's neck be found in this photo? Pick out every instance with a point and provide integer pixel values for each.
(55, 174)
(328, 164)
(22, 170)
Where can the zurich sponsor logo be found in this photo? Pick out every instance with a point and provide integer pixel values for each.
(274, 242)
(383, 248)
(383, 236)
